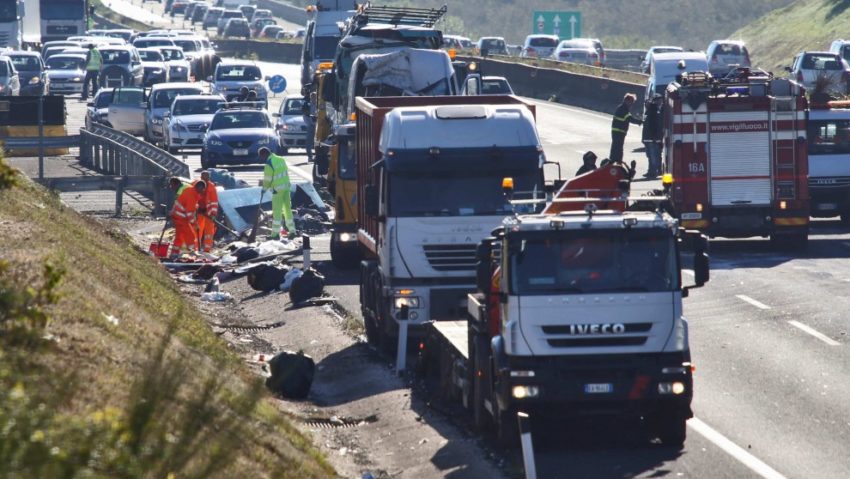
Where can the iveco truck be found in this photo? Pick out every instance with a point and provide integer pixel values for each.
(428, 176)
(11, 15)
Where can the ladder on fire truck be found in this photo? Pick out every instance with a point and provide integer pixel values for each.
(784, 109)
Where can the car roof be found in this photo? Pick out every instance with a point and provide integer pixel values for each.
(23, 53)
(237, 62)
(541, 35)
(493, 78)
(149, 49)
(175, 85)
(200, 97)
(740, 43)
(125, 48)
(68, 55)
(669, 56)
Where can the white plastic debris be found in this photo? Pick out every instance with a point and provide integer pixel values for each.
(291, 276)
(271, 247)
(111, 319)
(216, 297)
(228, 259)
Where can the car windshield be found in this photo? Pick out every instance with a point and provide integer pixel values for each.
(822, 62)
(59, 63)
(456, 194)
(103, 100)
(492, 43)
(150, 56)
(26, 63)
(197, 107)
(115, 57)
(170, 54)
(4, 70)
(293, 106)
(164, 98)
(240, 119)
(152, 43)
(236, 14)
(187, 45)
(542, 42)
(494, 87)
(62, 9)
(238, 73)
(587, 261)
(828, 137)
(324, 48)
(728, 49)
(128, 96)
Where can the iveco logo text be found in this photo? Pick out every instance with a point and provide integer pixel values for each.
(618, 328)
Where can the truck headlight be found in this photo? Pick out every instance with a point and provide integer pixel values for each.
(522, 392)
(410, 302)
(675, 387)
(346, 237)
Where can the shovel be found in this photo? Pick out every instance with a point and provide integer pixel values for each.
(253, 236)
(223, 226)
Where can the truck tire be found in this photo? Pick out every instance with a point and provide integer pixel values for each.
(344, 257)
(672, 430)
(507, 428)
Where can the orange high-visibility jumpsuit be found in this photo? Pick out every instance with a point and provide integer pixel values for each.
(185, 218)
(207, 208)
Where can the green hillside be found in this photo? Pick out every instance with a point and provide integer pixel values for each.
(775, 38)
(620, 24)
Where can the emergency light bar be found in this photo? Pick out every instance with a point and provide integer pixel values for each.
(582, 199)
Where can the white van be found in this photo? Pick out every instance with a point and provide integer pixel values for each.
(665, 66)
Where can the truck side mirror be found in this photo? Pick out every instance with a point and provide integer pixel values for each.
(371, 205)
(483, 266)
(329, 88)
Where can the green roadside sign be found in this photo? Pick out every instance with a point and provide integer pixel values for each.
(565, 25)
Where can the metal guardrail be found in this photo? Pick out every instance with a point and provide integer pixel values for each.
(154, 188)
(114, 152)
(31, 142)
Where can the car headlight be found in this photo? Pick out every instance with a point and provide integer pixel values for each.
(156, 121)
(215, 142)
(178, 69)
(409, 301)
(35, 80)
(284, 127)
(76, 79)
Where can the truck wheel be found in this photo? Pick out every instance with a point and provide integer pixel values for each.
(342, 256)
(371, 329)
(672, 430)
(507, 428)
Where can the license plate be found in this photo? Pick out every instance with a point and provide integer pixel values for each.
(240, 152)
(598, 388)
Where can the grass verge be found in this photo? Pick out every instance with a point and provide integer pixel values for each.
(774, 39)
(114, 16)
(107, 371)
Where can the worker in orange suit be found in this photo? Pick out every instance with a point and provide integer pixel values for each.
(184, 215)
(207, 210)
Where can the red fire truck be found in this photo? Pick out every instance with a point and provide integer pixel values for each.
(736, 150)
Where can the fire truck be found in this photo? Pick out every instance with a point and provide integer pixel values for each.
(736, 149)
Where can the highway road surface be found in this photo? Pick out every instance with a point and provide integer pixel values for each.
(769, 338)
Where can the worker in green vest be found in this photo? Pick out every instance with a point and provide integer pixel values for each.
(276, 180)
(93, 63)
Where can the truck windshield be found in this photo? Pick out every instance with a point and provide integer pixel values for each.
(8, 10)
(829, 137)
(62, 9)
(455, 194)
(324, 47)
(581, 262)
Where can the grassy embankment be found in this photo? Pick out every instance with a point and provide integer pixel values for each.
(106, 370)
(775, 38)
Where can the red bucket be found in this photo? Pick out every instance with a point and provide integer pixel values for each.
(160, 250)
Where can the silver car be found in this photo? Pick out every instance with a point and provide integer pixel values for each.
(290, 123)
(156, 71)
(159, 101)
(186, 123)
(179, 68)
(826, 70)
(127, 110)
(98, 109)
(10, 81)
(539, 46)
(122, 66)
(231, 75)
(66, 73)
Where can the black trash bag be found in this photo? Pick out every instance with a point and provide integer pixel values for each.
(291, 375)
(300, 198)
(266, 277)
(246, 253)
(309, 285)
(206, 271)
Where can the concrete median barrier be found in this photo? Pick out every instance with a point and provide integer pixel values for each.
(585, 91)
(277, 52)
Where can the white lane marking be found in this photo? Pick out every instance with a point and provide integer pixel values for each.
(750, 300)
(753, 463)
(809, 330)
